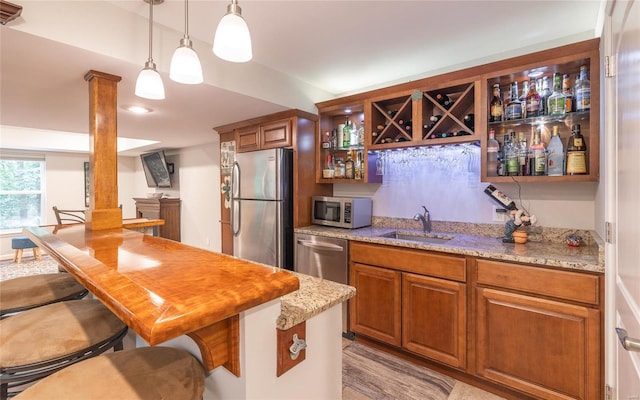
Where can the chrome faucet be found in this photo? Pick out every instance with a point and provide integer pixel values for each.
(425, 218)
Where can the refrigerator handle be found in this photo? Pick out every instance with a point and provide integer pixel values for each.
(235, 192)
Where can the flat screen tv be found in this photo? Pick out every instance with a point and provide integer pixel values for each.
(155, 169)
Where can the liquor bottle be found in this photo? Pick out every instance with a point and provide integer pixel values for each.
(353, 140)
(358, 166)
(502, 156)
(326, 140)
(334, 138)
(539, 155)
(576, 152)
(339, 169)
(340, 135)
(523, 156)
(500, 198)
(469, 121)
(533, 100)
(349, 167)
(361, 134)
(556, 102)
(544, 96)
(492, 154)
(514, 107)
(511, 153)
(346, 134)
(444, 100)
(496, 111)
(555, 159)
(569, 105)
(523, 98)
(583, 91)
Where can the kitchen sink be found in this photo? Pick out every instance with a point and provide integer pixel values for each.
(417, 237)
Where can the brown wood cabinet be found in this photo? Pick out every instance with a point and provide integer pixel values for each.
(167, 209)
(515, 328)
(377, 310)
(538, 330)
(399, 116)
(403, 300)
(264, 136)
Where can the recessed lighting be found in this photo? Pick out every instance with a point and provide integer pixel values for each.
(138, 109)
(347, 111)
(535, 74)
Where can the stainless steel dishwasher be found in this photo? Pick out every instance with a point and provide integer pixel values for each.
(326, 258)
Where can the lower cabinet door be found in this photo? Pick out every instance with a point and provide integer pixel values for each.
(375, 310)
(434, 318)
(544, 348)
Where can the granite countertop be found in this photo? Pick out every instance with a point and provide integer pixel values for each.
(549, 250)
(314, 296)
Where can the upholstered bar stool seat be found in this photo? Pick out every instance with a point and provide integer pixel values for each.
(38, 342)
(20, 294)
(146, 373)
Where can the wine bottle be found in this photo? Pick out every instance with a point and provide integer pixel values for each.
(496, 111)
(576, 152)
(500, 198)
(444, 100)
(469, 121)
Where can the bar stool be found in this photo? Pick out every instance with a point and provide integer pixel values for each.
(38, 342)
(27, 292)
(146, 373)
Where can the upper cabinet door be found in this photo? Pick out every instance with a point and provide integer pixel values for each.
(247, 138)
(275, 134)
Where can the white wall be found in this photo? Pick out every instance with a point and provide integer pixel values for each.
(449, 186)
(64, 183)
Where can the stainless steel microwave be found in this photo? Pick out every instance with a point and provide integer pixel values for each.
(341, 212)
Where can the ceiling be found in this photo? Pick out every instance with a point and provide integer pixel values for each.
(303, 52)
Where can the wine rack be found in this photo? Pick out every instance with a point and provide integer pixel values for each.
(392, 121)
(452, 117)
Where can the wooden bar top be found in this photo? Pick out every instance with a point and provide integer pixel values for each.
(135, 223)
(160, 288)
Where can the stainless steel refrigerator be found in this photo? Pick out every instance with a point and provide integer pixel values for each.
(262, 207)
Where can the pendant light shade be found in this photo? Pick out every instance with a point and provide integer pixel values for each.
(185, 64)
(149, 84)
(232, 41)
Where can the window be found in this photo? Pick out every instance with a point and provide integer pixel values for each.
(21, 193)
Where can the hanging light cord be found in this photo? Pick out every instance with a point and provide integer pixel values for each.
(186, 19)
(150, 29)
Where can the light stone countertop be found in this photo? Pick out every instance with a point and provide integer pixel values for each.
(553, 253)
(314, 296)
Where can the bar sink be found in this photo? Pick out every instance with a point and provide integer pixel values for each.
(417, 237)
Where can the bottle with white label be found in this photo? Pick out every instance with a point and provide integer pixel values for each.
(555, 160)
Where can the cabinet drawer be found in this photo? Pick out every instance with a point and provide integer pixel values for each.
(409, 260)
(573, 286)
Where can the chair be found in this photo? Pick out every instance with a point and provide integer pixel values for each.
(145, 373)
(39, 342)
(69, 216)
(27, 292)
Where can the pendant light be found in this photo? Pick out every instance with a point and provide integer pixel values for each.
(232, 41)
(149, 84)
(185, 65)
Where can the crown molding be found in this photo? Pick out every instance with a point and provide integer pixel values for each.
(9, 11)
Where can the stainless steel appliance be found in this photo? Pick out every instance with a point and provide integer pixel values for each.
(326, 258)
(342, 212)
(262, 208)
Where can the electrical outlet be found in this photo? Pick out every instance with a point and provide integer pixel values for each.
(498, 214)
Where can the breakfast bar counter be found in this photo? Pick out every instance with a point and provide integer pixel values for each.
(163, 289)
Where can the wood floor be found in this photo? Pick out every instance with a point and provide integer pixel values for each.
(370, 374)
